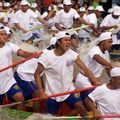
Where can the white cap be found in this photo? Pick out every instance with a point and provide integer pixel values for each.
(34, 5)
(62, 34)
(90, 8)
(104, 36)
(53, 9)
(53, 40)
(82, 9)
(60, 5)
(7, 29)
(110, 10)
(0, 4)
(24, 2)
(6, 4)
(99, 8)
(67, 2)
(116, 10)
(115, 72)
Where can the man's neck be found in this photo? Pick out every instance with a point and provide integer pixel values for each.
(58, 52)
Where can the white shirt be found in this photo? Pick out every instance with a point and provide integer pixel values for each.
(66, 19)
(108, 101)
(110, 21)
(11, 21)
(6, 77)
(91, 18)
(58, 72)
(23, 18)
(27, 69)
(93, 65)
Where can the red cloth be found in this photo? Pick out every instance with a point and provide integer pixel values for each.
(47, 2)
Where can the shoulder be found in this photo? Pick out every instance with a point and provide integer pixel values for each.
(100, 89)
(95, 49)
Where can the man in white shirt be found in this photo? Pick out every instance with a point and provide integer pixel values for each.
(96, 60)
(24, 75)
(106, 97)
(112, 21)
(57, 65)
(8, 85)
(65, 17)
(22, 21)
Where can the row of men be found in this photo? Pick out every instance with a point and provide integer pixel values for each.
(57, 66)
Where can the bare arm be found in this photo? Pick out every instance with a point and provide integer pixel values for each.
(90, 104)
(26, 54)
(38, 81)
(41, 20)
(20, 28)
(103, 28)
(57, 25)
(102, 61)
(90, 25)
(83, 21)
(87, 72)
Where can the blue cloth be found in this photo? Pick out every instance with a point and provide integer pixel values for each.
(52, 106)
(28, 88)
(11, 92)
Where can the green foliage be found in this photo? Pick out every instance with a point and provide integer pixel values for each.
(31, 1)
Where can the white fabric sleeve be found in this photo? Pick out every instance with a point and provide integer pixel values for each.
(95, 95)
(43, 60)
(15, 20)
(33, 14)
(76, 15)
(14, 47)
(73, 55)
(105, 22)
(57, 17)
(93, 52)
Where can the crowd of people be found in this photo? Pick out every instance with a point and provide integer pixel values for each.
(52, 71)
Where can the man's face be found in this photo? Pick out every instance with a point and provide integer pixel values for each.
(116, 82)
(107, 44)
(74, 43)
(3, 37)
(24, 8)
(64, 43)
(67, 8)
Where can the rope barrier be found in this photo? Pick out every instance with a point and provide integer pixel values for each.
(50, 96)
(17, 63)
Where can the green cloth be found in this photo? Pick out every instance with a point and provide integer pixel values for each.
(95, 4)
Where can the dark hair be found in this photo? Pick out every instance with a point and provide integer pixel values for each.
(51, 47)
(2, 27)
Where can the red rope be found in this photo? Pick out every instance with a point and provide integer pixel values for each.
(65, 93)
(17, 63)
(50, 96)
(110, 116)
